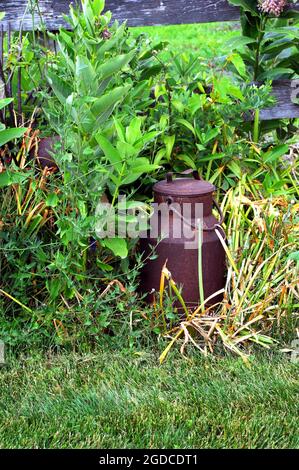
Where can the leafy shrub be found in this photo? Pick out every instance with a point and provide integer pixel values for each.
(269, 44)
(99, 91)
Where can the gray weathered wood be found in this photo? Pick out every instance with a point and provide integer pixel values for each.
(22, 13)
(285, 91)
(136, 12)
(158, 12)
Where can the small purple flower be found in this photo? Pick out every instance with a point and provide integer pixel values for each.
(272, 7)
(106, 34)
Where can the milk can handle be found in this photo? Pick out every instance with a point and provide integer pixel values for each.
(220, 222)
(169, 176)
(205, 229)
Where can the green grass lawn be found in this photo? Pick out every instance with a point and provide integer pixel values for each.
(126, 400)
(206, 40)
(122, 400)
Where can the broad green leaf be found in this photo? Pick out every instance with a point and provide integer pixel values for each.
(131, 178)
(187, 124)
(119, 129)
(4, 102)
(7, 178)
(275, 73)
(196, 102)
(238, 42)
(104, 106)
(288, 31)
(110, 152)
(52, 200)
(104, 266)
(160, 155)
(199, 146)
(143, 166)
(149, 136)
(113, 41)
(81, 205)
(61, 89)
(178, 105)
(235, 92)
(118, 246)
(84, 118)
(290, 14)
(124, 204)
(208, 158)
(114, 65)
(86, 77)
(67, 38)
(127, 151)
(138, 169)
(169, 141)
(187, 160)
(54, 287)
(97, 6)
(235, 169)
(294, 256)
(239, 64)
(7, 135)
(223, 87)
(151, 72)
(275, 154)
(277, 46)
(133, 132)
(210, 135)
(88, 15)
(63, 43)
(148, 54)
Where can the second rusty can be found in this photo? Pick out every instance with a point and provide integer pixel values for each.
(181, 258)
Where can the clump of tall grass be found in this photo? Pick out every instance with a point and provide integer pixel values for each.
(262, 288)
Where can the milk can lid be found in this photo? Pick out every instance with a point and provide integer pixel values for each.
(184, 186)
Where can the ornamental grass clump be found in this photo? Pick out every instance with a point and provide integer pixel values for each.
(261, 293)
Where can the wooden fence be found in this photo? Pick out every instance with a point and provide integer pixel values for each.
(145, 13)
(135, 12)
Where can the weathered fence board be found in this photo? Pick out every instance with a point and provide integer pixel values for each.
(284, 91)
(136, 12)
(157, 12)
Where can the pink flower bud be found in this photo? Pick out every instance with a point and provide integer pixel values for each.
(272, 7)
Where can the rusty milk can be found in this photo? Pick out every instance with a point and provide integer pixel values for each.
(181, 257)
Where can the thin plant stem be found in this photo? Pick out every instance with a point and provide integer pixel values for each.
(256, 126)
(258, 48)
(200, 275)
